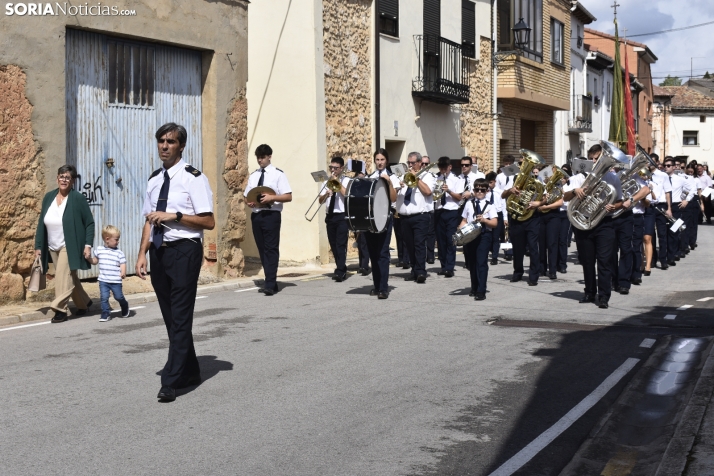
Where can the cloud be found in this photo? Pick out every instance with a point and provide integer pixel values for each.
(674, 50)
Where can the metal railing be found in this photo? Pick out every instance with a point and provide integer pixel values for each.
(581, 114)
(442, 71)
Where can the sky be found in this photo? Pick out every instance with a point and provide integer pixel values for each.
(674, 50)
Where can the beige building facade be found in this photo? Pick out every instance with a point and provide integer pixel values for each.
(48, 120)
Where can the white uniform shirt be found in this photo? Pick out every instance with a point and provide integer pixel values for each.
(680, 186)
(575, 181)
(392, 177)
(639, 208)
(53, 223)
(691, 187)
(487, 210)
(456, 185)
(504, 182)
(662, 186)
(419, 203)
(273, 178)
(471, 177)
(612, 178)
(499, 202)
(189, 193)
(705, 181)
(339, 198)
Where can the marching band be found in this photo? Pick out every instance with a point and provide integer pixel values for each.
(613, 205)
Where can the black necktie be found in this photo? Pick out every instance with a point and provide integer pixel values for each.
(158, 237)
(408, 196)
(331, 208)
(443, 195)
(491, 197)
(478, 207)
(466, 184)
(262, 177)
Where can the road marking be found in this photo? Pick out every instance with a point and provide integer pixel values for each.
(131, 309)
(318, 278)
(201, 297)
(647, 343)
(670, 316)
(547, 437)
(684, 308)
(244, 290)
(705, 299)
(26, 325)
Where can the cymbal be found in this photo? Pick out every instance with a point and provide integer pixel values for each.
(255, 192)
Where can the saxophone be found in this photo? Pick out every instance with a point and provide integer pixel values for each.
(587, 212)
(554, 186)
(531, 189)
(641, 164)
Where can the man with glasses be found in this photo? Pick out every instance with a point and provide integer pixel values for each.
(431, 234)
(414, 205)
(446, 216)
(337, 229)
(682, 192)
(662, 199)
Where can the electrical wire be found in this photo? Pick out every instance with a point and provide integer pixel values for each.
(654, 32)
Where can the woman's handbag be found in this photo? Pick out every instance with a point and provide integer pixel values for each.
(38, 279)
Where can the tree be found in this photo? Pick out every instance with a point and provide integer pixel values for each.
(671, 81)
(707, 75)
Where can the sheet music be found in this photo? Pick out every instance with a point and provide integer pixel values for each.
(398, 169)
(511, 170)
(582, 166)
(319, 176)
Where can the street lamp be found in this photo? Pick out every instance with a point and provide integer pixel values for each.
(522, 35)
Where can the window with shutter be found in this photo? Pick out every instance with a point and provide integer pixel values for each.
(130, 73)
(389, 17)
(468, 28)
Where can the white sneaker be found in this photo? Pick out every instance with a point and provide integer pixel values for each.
(128, 311)
(105, 319)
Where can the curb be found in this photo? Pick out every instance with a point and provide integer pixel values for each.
(38, 315)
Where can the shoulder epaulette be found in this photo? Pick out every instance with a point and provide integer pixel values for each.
(192, 170)
(155, 173)
(278, 170)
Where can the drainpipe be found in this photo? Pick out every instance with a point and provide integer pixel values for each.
(494, 66)
(377, 122)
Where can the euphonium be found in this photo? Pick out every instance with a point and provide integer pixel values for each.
(531, 189)
(586, 213)
(641, 163)
(554, 186)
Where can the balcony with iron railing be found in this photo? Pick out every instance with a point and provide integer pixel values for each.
(581, 114)
(442, 71)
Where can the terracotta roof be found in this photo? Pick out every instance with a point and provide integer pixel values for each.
(684, 97)
(612, 37)
(660, 91)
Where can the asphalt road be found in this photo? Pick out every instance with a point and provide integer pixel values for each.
(323, 379)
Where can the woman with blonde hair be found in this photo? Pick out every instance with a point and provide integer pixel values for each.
(65, 232)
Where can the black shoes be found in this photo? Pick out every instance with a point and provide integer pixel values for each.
(587, 298)
(563, 271)
(664, 267)
(430, 261)
(509, 258)
(421, 279)
(441, 273)
(268, 292)
(59, 317)
(480, 297)
(449, 274)
(617, 289)
(339, 279)
(167, 394)
(400, 264)
(515, 279)
(673, 262)
(624, 291)
(373, 292)
(364, 271)
(410, 278)
(637, 281)
(196, 380)
(406, 266)
(532, 283)
(602, 304)
(552, 276)
(494, 262)
(676, 258)
(81, 312)
(383, 295)
(646, 273)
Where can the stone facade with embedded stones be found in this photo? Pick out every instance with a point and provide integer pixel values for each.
(476, 123)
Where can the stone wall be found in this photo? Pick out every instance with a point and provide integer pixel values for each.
(348, 75)
(235, 175)
(22, 183)
(476, 122)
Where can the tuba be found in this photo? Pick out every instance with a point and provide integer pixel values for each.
(587, 212)
(531, 189)
(554, 186)
(641, 164)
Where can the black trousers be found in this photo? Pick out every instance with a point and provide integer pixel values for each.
(524, 233)
(673, 239)
(266, 231)
(563, 240)
(174, 276)
(622, 269)
(663, 232)
(707, 210)
(415, 229)
(431, 238)
(638, 232)
(595, 246)
(337, 233)
(402, 256)
(548, 241)
(693, 223)
(362, 249)
(446, 223)
(378, 247)
(478, 259)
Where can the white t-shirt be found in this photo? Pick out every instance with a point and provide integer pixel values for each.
(109, 261)
(53, 223)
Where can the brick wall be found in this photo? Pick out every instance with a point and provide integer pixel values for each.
(509, 130)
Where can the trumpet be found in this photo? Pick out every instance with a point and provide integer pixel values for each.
(334, 184)
(670, 219)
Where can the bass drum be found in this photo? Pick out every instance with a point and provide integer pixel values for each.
(367, 205)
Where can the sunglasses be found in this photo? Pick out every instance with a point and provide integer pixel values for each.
(412, 163)
(669, 165)
(480, 190)
(333, 167)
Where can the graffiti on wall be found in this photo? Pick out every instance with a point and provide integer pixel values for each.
(91, 190)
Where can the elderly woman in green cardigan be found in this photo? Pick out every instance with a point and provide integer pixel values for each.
(65, 232)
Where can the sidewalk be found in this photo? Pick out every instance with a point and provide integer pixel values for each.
(37, 311)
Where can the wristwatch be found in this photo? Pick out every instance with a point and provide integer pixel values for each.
(179, 216)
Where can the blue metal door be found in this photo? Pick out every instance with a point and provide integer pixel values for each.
(118, 93)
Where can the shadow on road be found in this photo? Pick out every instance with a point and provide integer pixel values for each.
(210, 367)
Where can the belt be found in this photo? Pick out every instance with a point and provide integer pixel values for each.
(267, 211)
(412, 215)
(171, 244)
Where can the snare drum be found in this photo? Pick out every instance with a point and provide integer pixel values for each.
(367, 204)
(467, 233)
